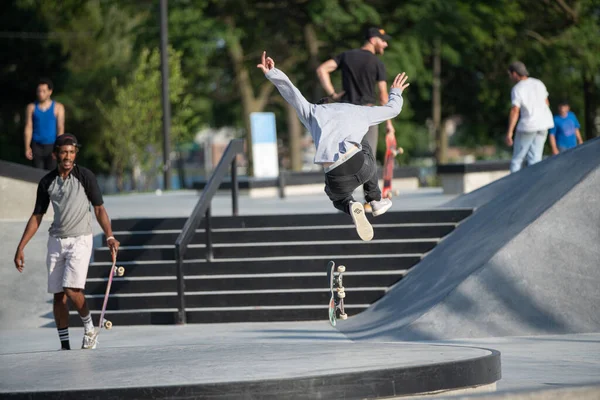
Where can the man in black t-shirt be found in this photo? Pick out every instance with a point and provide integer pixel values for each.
(361, 70)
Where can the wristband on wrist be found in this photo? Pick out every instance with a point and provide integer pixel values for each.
(110, 237)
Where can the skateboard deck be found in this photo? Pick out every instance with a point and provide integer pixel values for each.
(338, 293)
(388, 166)
(114, 271)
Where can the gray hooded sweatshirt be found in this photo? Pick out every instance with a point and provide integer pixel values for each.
(338, 128)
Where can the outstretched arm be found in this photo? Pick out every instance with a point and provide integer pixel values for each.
(513, 118)
(287, 89)
(323, 72)
(383, 99)
(104, 222)
(32, 226)
(578, 134)
(28, 133)
(60, 119)
(393, 107)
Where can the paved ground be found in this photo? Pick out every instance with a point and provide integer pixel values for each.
(260, 350)
(533, 362)
(181, 203)
(25, 303)
(242, 355)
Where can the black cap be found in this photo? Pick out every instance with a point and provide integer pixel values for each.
(377, 32)
(66, 139)
(519, 68)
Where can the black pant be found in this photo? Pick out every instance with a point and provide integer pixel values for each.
(42, 156)
(341, 182)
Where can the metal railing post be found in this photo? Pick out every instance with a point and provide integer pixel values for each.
(209, 252)
(181, 318)
(281, 183)
(202, 209)
(234, 187)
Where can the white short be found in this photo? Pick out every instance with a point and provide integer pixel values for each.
(68, 260)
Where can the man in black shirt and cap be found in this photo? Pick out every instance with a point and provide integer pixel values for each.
(361, 70)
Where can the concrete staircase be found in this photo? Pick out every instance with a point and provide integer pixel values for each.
(264, 268)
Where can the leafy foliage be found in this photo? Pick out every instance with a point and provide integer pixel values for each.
(96, 51)
(134, 123)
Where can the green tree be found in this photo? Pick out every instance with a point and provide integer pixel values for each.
(133, 132)
(562, 44)
(27, 55)
(98, 38)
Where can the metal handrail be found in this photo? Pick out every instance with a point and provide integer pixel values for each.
(201, 210)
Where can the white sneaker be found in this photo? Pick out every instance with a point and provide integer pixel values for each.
(381, 206)
(363, 226)
(90, 340)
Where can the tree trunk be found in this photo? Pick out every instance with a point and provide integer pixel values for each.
(181, 170)
(312, 44)
(119, 182)
(236, 53)
(250, 102)
(441, 140)
(295, 134)
(589, 96)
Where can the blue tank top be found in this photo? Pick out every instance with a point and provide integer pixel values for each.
(44, 125)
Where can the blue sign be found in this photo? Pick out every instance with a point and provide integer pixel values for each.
(263, 127)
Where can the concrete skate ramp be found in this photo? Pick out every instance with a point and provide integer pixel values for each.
(25, 299)
(18, 189)
(526, 262)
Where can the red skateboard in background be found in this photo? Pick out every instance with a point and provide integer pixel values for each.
(391, 151)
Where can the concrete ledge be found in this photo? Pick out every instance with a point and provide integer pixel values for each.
(18, 190)
(233, 371)
(465, 178)
(300, 183)
(569, 393)
(21, 172)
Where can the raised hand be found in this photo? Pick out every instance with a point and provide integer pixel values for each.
(400, 82)
(266, 64)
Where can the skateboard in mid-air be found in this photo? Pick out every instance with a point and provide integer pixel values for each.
(391, 151)
(336, 288)
(114, 271)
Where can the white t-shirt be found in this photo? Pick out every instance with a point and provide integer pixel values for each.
(530, 96)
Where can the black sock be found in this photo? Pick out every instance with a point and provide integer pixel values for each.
(63, 335)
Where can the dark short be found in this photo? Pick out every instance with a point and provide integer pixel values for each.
(42, 156)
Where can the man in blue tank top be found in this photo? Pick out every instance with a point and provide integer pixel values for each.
(565, 134)
(44, 122)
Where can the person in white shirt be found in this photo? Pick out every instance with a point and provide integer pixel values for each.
(531, 108)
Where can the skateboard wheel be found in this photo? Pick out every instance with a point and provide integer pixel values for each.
(341, 269)
(389, 195)
(107, 325)
(341, 295)
(120, 271)
(344, 316)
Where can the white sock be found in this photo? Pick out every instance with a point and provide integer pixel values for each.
(88, 324)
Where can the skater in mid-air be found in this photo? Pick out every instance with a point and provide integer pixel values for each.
(338, 130)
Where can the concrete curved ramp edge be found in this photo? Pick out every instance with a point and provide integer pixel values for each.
(525, 263)
(235, 371)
